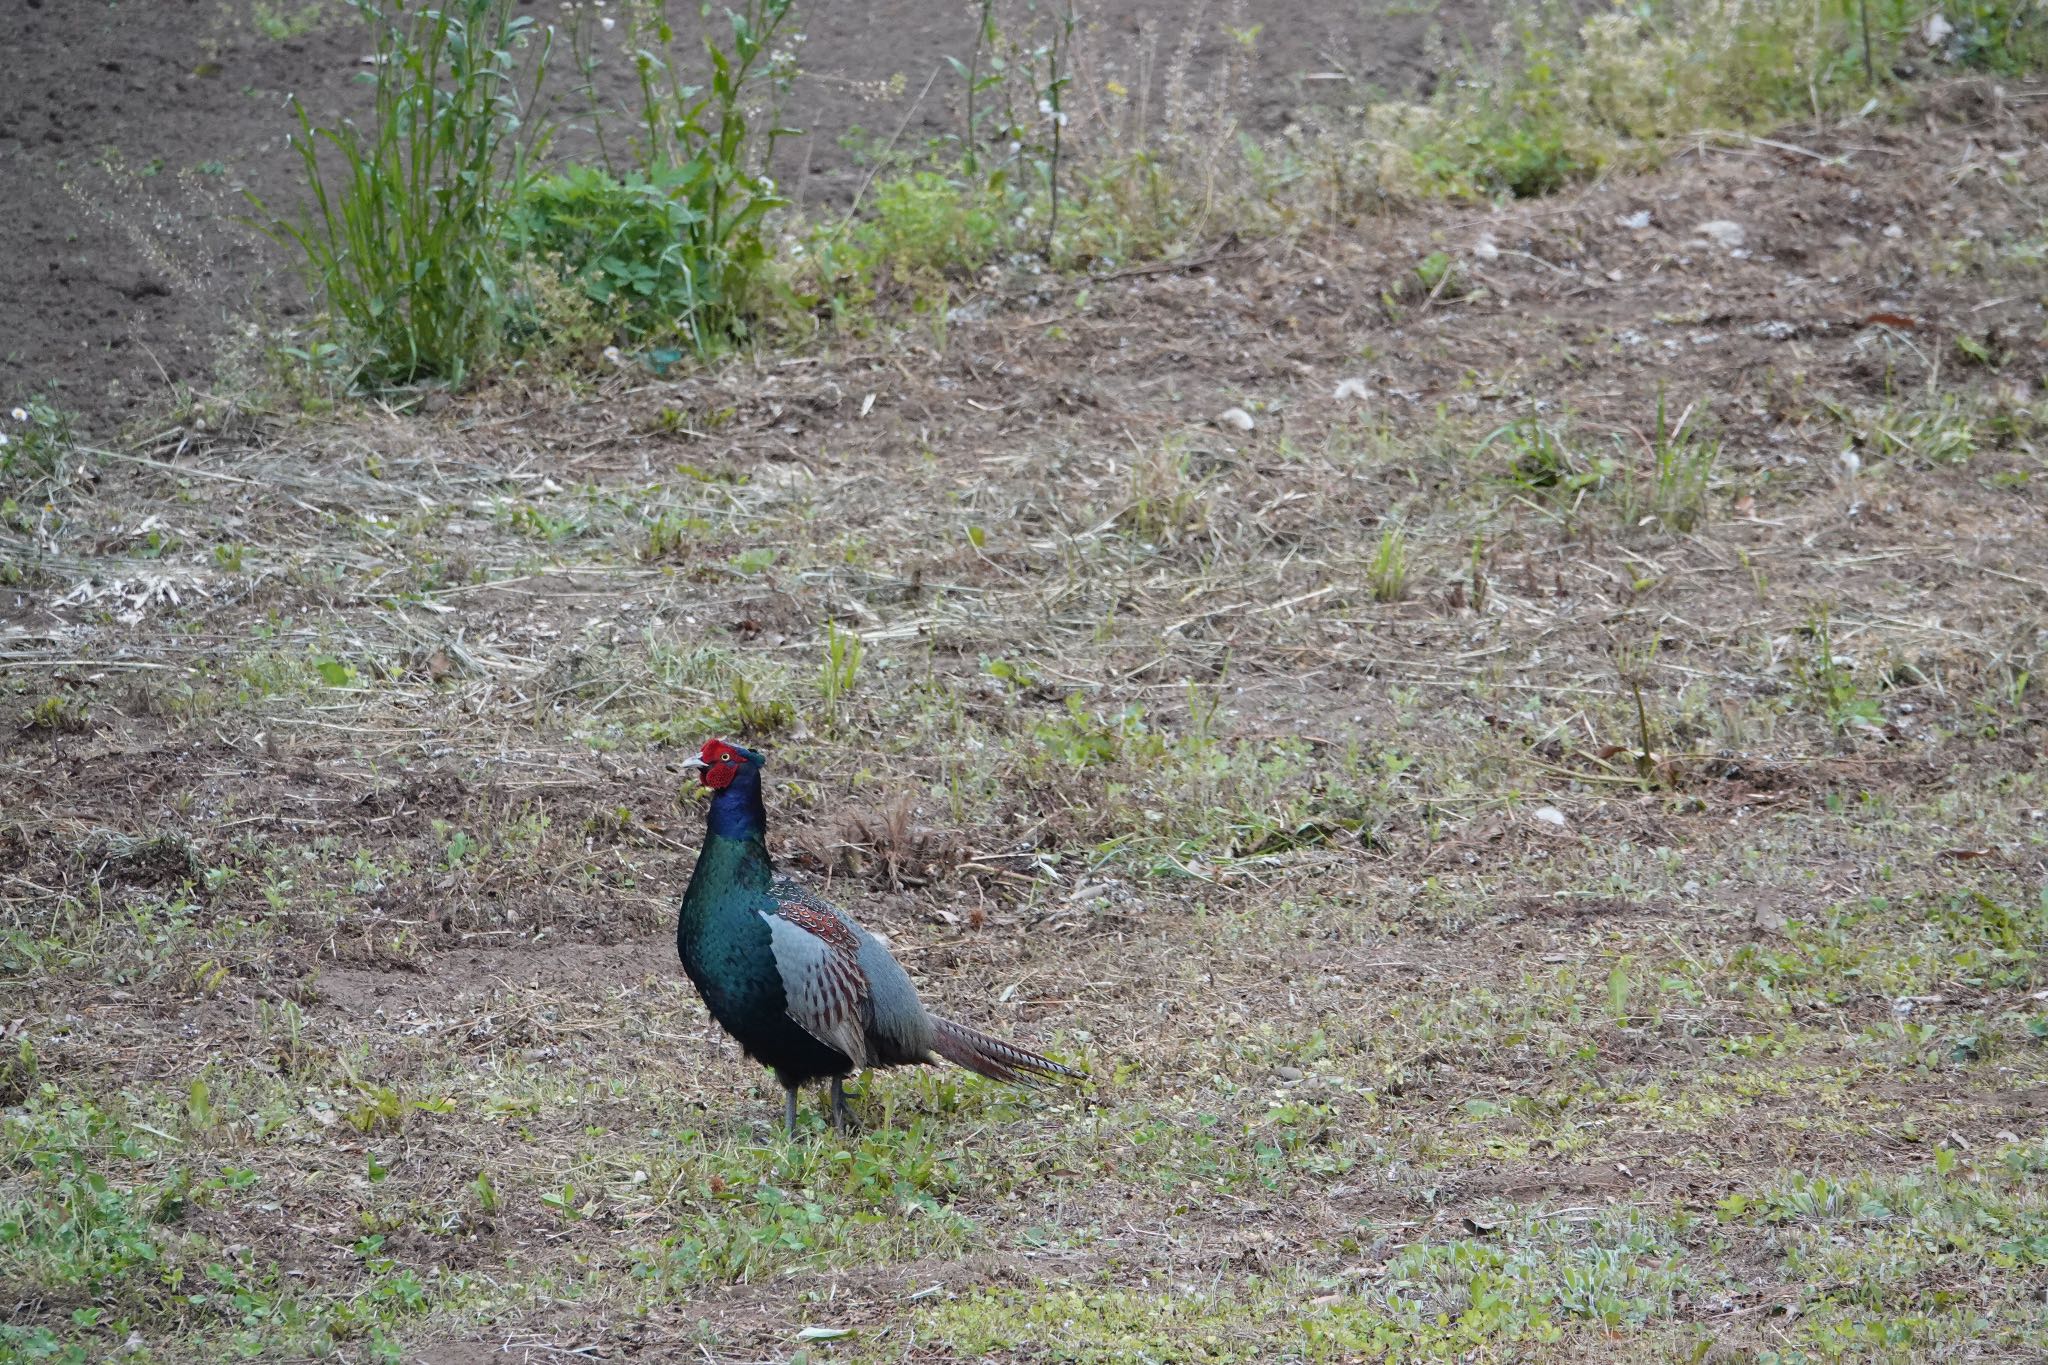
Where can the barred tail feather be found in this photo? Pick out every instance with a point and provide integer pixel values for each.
(994, 1058)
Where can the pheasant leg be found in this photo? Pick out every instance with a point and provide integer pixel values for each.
(789, 1107)
(842, 1117)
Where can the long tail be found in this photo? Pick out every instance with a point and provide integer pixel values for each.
(994, 1058)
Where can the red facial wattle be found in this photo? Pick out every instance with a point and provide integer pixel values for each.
(722, 764)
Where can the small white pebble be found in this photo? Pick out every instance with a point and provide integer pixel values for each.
(1235, 417)
(1723, 233)
(1549, 815)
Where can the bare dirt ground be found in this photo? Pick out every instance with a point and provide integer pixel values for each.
(1427, 1014)
(132, 130)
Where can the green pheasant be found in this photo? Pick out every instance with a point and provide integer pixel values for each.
(807, 992)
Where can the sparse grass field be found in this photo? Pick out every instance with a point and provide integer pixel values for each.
(1534, 822)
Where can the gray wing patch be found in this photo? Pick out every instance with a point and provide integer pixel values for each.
(901, 1030)
(818, 958)
(894, 1026)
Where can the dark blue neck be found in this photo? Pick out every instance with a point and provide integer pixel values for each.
(737, 812)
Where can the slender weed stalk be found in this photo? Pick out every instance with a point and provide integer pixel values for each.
(975, 80)
(1050, 106)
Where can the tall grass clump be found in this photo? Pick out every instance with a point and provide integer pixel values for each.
(1387, 573)
(670, 246)
(1672, 492)
(404, 243)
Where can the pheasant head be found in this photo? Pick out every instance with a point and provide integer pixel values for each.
(719, 764)
(733, 774)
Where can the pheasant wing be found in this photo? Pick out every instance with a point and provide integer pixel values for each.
(899, 1032)
(817, 955)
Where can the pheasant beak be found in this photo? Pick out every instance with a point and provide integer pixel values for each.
(692, 764)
